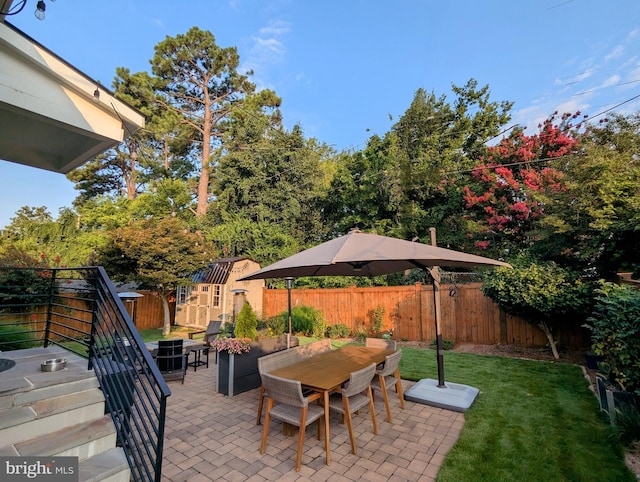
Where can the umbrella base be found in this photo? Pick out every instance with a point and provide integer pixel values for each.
(453, 396)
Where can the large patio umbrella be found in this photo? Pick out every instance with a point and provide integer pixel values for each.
(364, 254)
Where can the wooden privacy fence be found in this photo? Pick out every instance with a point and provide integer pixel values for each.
(146, 312)
(468, 316)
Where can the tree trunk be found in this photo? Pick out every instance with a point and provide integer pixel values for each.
(552, 342)
(166, 327)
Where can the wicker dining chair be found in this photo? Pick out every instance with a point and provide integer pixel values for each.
(268, 363)
(286, 402)
(354, 395)
(389, 376)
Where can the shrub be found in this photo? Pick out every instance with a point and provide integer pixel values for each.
(361, 333)
(277, 325)
(628, 422)
(446, 344)
(305, 320)
(377, 315)
(544, 294)
(13, 337)
(339, 330)
(615, 332)
(247, 322)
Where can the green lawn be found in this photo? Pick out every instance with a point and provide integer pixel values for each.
(532, 421)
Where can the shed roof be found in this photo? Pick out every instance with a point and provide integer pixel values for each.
(217, 273)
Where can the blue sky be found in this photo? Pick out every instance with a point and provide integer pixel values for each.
(347, 69)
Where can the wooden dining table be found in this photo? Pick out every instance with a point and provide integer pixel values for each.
(326, 371)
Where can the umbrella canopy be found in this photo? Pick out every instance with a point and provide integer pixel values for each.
(364, 254)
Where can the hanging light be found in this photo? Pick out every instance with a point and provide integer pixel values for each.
(40, 8)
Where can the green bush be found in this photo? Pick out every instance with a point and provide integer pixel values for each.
(544, 294)
(377, 316)
(615, 332)
(247, 322)
(13, 337)
(277, 325)
(361, 333)
(446, 344)
(628, 422)
(339, 330)
(305, 320)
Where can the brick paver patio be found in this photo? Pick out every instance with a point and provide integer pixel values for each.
(210, 436)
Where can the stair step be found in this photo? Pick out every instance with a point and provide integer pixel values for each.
(82, 440)
(108, 466)
(16, 416)
(52, 415)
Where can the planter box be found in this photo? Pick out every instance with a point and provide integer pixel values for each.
(239, 373)
(609, 398)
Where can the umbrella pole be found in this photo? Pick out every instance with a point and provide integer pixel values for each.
(435, 277)
(289, 286)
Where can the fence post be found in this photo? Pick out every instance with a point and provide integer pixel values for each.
(47, 329)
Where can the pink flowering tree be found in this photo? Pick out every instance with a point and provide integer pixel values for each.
(511, 185)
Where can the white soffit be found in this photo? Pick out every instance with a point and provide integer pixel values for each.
(49, 117)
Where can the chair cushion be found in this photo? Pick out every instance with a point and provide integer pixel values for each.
(356, 402)
(291, 414)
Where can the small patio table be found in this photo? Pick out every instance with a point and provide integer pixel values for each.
(327, 371)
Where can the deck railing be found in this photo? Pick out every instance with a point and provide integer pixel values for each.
(79, 310)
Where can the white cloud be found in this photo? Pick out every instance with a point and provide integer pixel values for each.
(611, 81)
(267, 50)
(617, 52)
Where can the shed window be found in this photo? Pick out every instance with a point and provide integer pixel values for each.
(183, 294)
(216, 296)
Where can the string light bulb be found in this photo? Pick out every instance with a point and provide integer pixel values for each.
(40, 9)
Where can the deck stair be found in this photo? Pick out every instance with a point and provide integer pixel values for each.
(60, 413)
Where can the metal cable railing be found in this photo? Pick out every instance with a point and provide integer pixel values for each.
(79, 310)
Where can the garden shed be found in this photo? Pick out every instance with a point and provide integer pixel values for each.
(216, 294)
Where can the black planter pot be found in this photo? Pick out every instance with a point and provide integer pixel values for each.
(239, 373)
(592, 360)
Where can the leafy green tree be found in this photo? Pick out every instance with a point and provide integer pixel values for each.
(399, 184)
(200, 83)
(594, 221)
(156, 253)
(33, 231)
(25, 287)
(542, 293)
(160, 150)
(170, 197)
(269, 186)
